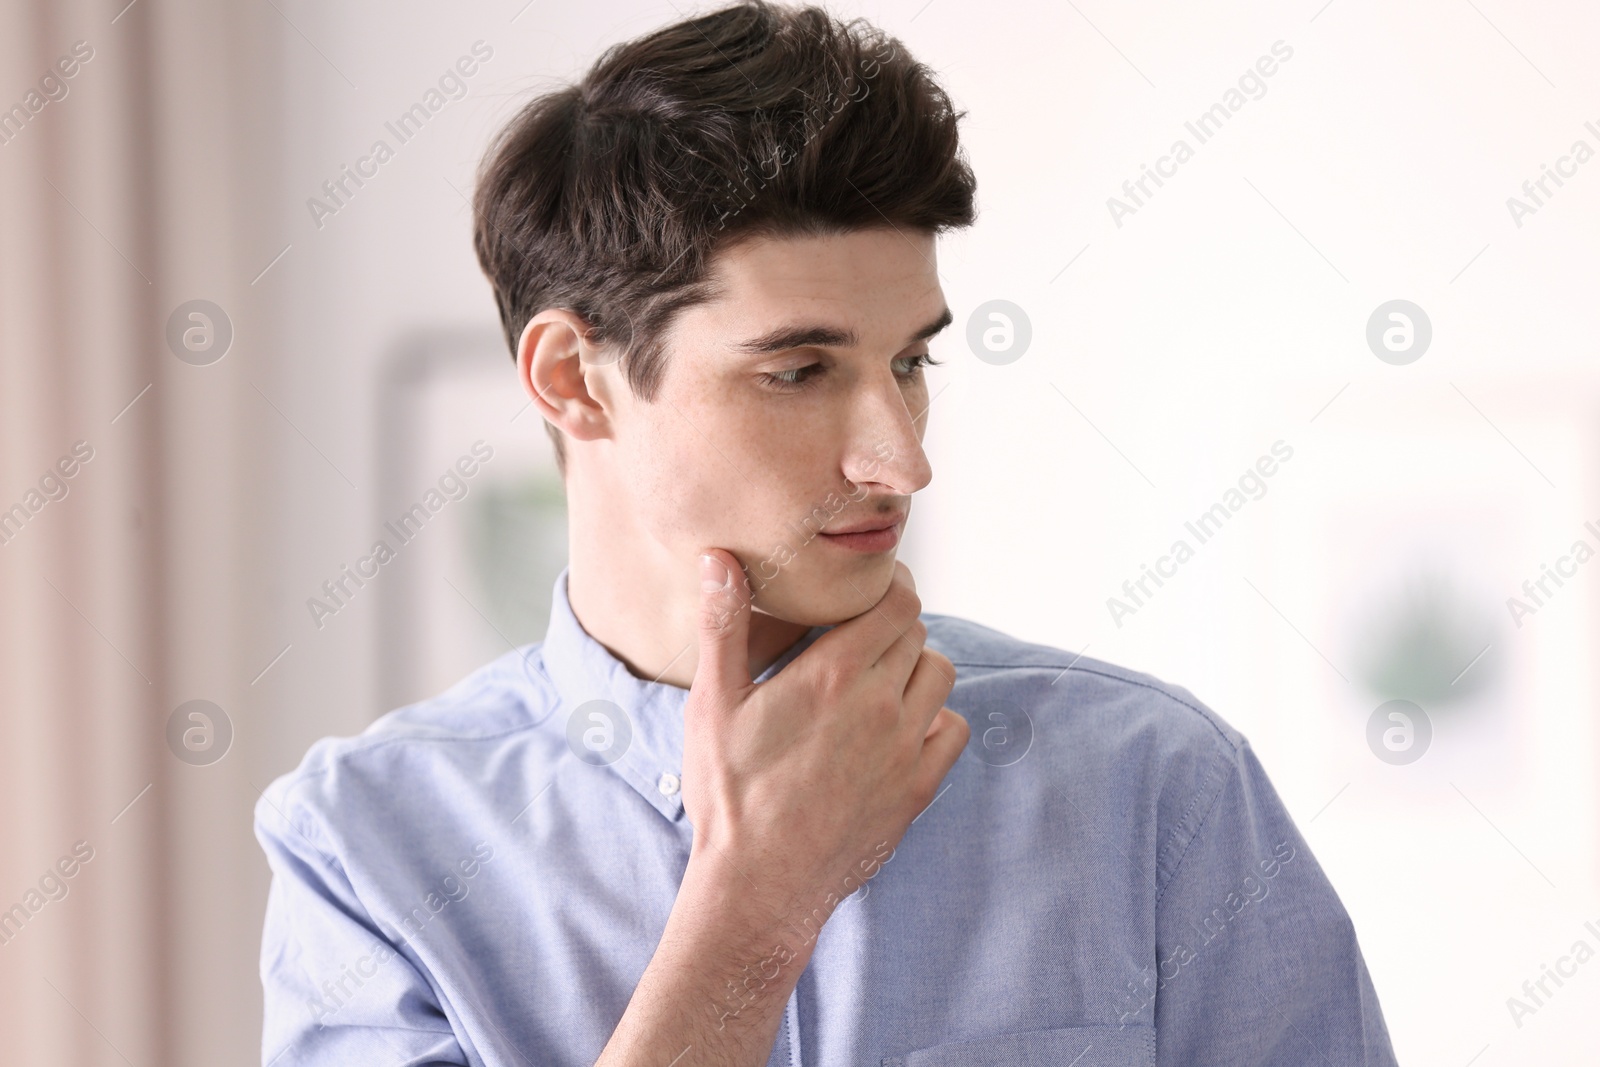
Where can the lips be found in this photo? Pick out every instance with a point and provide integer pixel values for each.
(869, 536)
(866, 525)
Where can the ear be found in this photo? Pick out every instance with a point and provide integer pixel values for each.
(562, 374)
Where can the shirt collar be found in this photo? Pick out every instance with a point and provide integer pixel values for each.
(646, 745)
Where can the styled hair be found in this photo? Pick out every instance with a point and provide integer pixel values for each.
(611, 196)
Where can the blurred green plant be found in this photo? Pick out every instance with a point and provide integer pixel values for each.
(518, 540)
(1429, 643)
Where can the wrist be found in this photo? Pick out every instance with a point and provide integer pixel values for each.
(736, 899)
(737, 954)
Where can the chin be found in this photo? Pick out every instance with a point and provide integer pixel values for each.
(825, 596)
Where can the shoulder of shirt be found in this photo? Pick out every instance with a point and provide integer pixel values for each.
(978, 649)
(1139, 726)
(507, 696)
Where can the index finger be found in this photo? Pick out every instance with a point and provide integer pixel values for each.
(864, 638)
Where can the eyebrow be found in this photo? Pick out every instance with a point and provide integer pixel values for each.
(816, 335)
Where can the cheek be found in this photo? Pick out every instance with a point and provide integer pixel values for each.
(689, 480)
(720, 476)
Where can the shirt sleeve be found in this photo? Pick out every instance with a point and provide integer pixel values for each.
(1257, 961)
(337, 990)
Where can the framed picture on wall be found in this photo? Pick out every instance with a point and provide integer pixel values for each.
(472, 511)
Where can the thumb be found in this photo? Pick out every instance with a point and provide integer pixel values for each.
(724, 626)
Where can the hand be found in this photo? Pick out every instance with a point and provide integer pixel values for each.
(798, 781)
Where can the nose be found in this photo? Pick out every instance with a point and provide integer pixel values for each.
(886, 448)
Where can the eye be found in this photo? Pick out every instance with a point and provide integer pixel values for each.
(792, 379)
(917, 363)
(795, 379)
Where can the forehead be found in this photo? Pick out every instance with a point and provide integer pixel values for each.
(876, 282)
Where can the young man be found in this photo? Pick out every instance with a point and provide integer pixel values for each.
(746, 804)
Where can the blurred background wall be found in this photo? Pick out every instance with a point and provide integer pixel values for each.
(249, 362)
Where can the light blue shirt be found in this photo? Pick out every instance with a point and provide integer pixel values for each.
(1106, 878)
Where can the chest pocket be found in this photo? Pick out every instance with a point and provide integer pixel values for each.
(1076, 1046)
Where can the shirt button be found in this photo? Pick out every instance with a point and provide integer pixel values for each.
(668, 784)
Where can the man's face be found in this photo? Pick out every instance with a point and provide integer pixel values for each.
(757, 441)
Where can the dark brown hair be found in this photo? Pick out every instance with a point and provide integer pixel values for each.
(609, 197)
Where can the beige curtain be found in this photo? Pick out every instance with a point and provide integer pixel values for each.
(130, 888)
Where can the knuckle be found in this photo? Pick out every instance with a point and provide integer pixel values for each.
(882, 707)
(717, 616)
(903, 598)
(833, 680)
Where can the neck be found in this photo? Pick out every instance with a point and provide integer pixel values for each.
(642, 602)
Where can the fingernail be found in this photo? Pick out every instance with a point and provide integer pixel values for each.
(714, 576)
